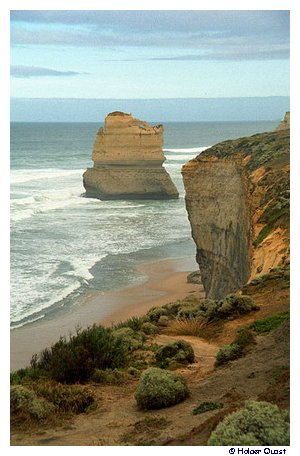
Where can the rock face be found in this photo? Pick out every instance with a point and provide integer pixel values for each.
(237, 198)
(285, 123)
(128, 161)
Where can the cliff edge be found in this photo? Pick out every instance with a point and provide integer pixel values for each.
(237, 199)
(128, 161)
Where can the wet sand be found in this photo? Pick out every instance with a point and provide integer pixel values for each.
(165, 282)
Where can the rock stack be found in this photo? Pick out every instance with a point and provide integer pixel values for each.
(128, 161)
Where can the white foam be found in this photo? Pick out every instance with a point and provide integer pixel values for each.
(187, 150)
(25, 208)
(20, 176)
(181, 157)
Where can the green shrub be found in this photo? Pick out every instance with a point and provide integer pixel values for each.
(207, 407)
(237, 305)
(25, 402)
(74, 360)
(173, 307)
(188, 312)
(22, 375)
(244, 338)
(259, 423)
(228, 353)
(149, 328)
(163, 320)
(268, 324)
(108, 376)
(132, 339)
(159, 388)
(179, 352)
(135, 323)
(155, 313)
(66, 398)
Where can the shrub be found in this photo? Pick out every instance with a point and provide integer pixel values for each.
(259, 423)
(74, 360)
(236, 305)
(66, 398)
(113, 377)
(155, 313)
(28, 373)
(149, 328)
(179, 352)
(132, 339)
(186, 326)
(173, 307)
(25, 402)
(207, 407)
(228, 353)
(159, 388)
(188, 312)
(268, 324)
(163, 320)
(244, 338)
(135, 323)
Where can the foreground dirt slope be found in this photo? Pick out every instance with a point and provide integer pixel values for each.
(263, 374)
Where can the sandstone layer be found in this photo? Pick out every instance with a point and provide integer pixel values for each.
(128, 161)
(237, 198)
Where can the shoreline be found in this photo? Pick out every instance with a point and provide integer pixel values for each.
(166, 282)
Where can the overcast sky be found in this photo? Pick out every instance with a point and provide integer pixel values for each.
(149, 54)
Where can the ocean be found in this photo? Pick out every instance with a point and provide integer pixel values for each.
(64, 245)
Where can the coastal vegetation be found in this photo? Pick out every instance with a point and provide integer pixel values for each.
(160, 388)
(259, 423)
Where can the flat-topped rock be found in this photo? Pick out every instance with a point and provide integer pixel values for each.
(128, 159)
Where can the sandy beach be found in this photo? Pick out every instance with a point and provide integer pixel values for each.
(165, 282)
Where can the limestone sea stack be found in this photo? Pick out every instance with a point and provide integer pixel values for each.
(128, 161)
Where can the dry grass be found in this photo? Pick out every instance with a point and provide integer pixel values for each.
(186, 326)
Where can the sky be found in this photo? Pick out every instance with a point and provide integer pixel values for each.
(149, 54)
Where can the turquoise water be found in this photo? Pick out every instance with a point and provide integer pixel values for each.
(64, 245)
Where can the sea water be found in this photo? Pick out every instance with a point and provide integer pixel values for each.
(64, 245)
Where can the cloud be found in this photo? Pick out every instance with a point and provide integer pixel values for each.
(219, 35)
(24, 71)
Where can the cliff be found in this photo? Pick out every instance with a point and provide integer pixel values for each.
(128, 161)
(285, 123)
(237, 199)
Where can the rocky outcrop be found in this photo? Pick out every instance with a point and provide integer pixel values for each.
(237, 198)
(128, 161)
(285, 123)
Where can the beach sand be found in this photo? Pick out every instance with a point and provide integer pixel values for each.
(165, 282)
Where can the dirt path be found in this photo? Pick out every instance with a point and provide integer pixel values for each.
(117, 418)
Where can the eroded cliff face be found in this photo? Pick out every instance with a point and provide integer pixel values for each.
(128, 161)
(237, 198)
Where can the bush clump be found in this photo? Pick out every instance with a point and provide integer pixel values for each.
(207, 407)
(228, 353)
(159, 388)
(134, 323)
(74, 360)
(110, 376)
(26, 403)
(237, 348)
(176, 352)
(66, 398)
(259, 423)
(155, 313)
(268, 324)
(131, 338)
(149, 328)
(27, 373)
